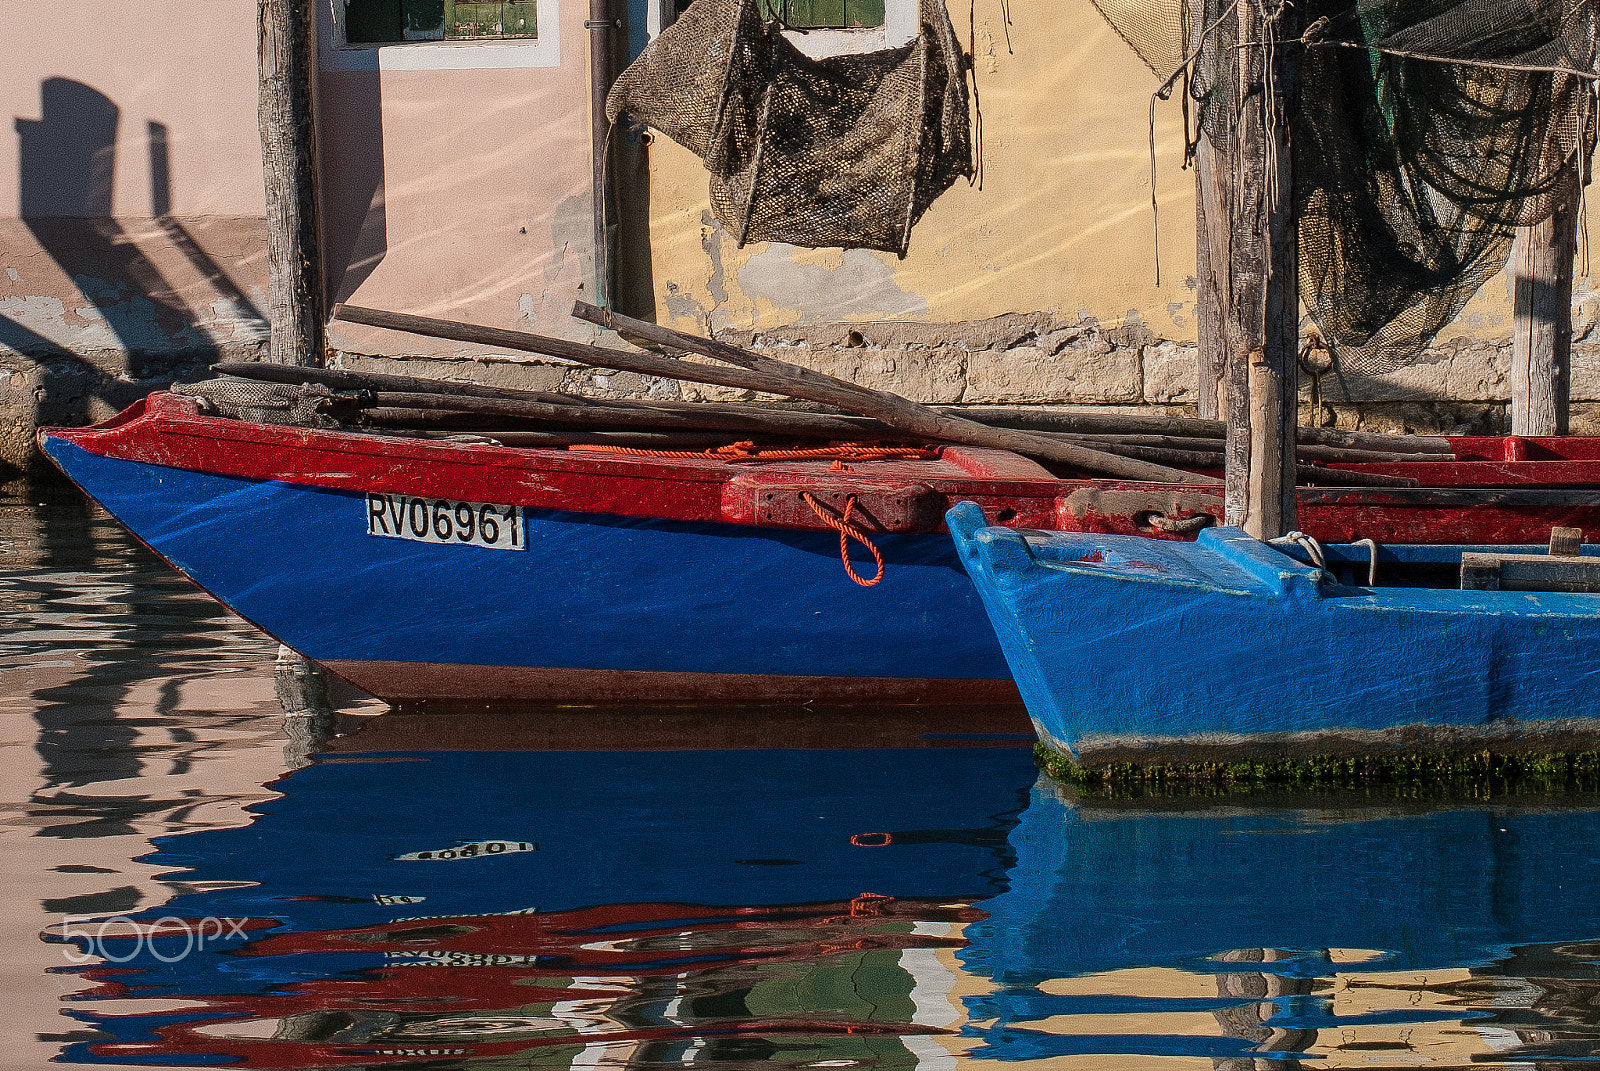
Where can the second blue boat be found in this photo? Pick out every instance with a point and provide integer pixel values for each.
(1229, 649)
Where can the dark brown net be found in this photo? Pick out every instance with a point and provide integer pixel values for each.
(1425, 132)
(845, 151)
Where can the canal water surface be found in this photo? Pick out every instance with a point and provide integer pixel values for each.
(193, 879)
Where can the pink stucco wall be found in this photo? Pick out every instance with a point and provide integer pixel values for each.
(131, 193)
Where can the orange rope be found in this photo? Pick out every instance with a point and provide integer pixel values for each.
(847, 532)
(749, 451)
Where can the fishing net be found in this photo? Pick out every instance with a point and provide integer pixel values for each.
(1424, 133)
(844, 151)
(301, 405)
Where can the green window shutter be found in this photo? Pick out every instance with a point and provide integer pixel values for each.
(819, 14)
(520, 19)
(810, 13)
(863, 13)
(377, 22)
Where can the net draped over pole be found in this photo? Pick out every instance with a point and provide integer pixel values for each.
(1427, 132)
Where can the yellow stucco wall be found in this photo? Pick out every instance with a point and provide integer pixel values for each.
(1062, 223)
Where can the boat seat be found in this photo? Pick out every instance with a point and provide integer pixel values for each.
(1563, 569)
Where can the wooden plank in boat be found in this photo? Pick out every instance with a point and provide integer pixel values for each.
(1529, 572)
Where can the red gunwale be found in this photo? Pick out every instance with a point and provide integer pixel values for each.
(168, 430)
(171, 432)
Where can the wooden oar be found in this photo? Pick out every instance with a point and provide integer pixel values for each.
(1035, 419)
(754, 421)
(1308, 453)
(776, 377)
(638, 440)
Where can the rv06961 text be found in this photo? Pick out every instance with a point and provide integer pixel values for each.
(445, 521)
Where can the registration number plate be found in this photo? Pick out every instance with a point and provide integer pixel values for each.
(444, 520)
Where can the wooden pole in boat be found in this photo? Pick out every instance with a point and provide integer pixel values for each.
(286, 36)
(1263, 316)
(1541, 346)
(1213, 243)
(754, 372)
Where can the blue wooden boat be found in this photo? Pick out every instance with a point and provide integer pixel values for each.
(1133, 650)
(426, 571)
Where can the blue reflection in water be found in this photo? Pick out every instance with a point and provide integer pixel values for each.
(757, 902)
(885, 908)
(1256, 897)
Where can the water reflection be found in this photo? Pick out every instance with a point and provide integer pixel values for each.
(581, 909)
(590, 888)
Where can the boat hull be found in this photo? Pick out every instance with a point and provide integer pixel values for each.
(1130, 650)
(655, 579)
(597, 608)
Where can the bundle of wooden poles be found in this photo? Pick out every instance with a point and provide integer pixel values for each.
(1146, 447)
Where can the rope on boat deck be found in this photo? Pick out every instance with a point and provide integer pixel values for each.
(749, 451)
(1312, 548)
(847, 532)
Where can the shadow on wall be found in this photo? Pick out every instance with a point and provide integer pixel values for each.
(355, 224)
(136, 326)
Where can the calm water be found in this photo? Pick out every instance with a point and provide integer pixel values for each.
(191, 882)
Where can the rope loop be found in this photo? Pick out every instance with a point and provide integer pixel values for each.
(847, 532)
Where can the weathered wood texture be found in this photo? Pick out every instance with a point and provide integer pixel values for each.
(1541, 340)
(1566, 542)
(1262, 315)
(1037, 419)
(909, 416)
(1529, 572)
(779, 421)
(752, 422)
(286, 38)
(1213, 293)
(1314, 453)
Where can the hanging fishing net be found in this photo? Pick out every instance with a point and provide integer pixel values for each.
(844, 151)
(1424, 133)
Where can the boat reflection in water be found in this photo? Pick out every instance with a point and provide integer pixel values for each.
(896, 907)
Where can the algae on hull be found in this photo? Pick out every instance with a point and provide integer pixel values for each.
(1488, 772)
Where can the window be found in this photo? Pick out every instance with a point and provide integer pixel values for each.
(376, 22)
(820, 14)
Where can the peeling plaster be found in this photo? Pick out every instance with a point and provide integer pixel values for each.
(233, 322)
(861, 288)
(566, 273)
(711, 235)
(681, 306)
(120, 319)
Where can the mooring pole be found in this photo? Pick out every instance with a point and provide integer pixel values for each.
(286, 36)
(605, 31)
(1213, 249)
(1541, 340)
(1264, 309)
(1213, 234)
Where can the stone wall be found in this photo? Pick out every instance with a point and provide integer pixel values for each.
(72, 389)
(1457, 387)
